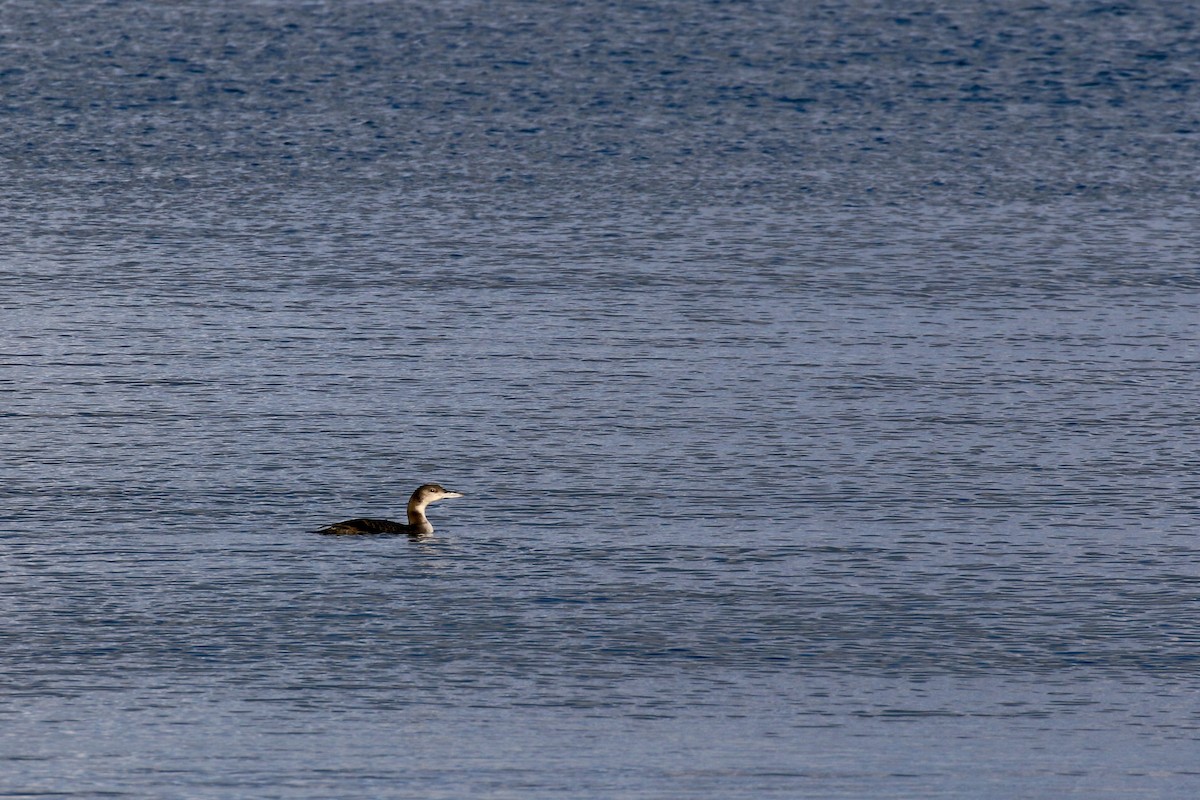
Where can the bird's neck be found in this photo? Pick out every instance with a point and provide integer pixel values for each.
(416, 517)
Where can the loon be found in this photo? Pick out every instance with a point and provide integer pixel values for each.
(418, 523)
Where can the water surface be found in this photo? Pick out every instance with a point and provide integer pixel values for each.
(821, 382)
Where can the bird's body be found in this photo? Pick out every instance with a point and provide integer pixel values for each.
(363, 525)
(417, 525)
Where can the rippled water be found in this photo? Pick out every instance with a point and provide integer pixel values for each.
(821, 381)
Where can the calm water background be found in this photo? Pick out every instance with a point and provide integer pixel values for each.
(822, 379)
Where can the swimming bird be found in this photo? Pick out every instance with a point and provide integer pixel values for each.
(418, 523)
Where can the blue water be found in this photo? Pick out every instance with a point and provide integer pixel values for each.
(821, 381)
